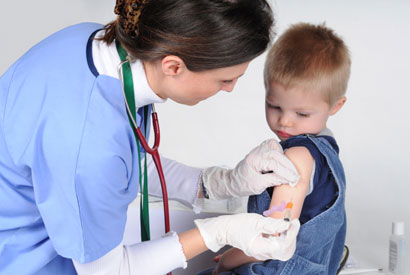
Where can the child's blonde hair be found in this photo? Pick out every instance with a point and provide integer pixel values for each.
(312, 56)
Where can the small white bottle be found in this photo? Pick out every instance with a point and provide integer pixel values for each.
(397, 250)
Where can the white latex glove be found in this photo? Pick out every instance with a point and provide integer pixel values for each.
(252, 233)
(247, 177)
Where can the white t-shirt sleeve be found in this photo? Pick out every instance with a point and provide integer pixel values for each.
(182, 181)
(156, 257)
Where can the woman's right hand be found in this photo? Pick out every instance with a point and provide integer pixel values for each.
(251, 233)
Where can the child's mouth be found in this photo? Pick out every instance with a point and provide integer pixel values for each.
(283, 134)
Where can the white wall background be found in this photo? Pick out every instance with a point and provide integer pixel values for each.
(373, 128)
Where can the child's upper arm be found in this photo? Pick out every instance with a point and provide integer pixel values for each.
(303, 161)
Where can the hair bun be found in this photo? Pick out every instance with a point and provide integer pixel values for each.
(129, 12)
(119, 6)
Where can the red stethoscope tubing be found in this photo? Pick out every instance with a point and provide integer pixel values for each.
(152, 151)
(155, 156)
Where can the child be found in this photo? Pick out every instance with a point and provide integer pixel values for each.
(306, 75)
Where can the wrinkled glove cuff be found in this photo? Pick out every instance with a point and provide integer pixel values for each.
(211, 241)
(202, 185)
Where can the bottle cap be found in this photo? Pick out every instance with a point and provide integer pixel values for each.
(398, 228)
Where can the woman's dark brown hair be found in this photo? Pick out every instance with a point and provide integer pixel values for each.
(205, 34)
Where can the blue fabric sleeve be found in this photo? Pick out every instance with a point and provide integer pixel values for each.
(68, 134)
(107, 171)
(85, 176)
(68, 158)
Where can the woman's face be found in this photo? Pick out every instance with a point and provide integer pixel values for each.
(190, 88)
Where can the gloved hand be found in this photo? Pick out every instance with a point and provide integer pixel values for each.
(247, 177)
(252, 233)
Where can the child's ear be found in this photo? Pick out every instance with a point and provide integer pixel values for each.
(172, 65)
(338, 105)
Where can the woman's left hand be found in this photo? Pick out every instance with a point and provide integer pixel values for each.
(263, 167)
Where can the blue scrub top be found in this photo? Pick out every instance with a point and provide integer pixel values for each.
(68, 158)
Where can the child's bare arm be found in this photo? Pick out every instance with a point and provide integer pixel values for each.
(231, 259)
(303, 161)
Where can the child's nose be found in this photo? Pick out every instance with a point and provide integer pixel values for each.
(285, 120)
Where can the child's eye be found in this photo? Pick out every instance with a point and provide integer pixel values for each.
(273, 106)
(302, 114)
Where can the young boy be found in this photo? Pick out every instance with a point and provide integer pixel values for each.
(306, 75)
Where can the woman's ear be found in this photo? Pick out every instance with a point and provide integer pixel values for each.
(172, 65)
(338, 105)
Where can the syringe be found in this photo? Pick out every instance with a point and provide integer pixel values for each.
(288, 211)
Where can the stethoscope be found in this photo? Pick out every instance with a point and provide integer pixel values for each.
(125, 58)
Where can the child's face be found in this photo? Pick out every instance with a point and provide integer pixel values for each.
(295, 111)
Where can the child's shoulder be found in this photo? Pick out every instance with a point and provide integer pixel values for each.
(302, 159)
(312, 142)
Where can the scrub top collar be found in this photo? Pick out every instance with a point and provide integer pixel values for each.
(106, 61)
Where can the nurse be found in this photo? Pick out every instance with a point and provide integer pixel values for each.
(69, 162)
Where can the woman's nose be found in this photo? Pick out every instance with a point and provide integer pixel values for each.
(228, 87)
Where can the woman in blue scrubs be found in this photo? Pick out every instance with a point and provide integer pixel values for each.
(69, 163)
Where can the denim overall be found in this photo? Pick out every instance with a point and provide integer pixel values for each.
(320, 241)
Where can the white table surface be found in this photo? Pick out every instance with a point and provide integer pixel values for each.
(362, 256)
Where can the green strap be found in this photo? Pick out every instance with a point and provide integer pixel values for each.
(129, 93)
(145, 206)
